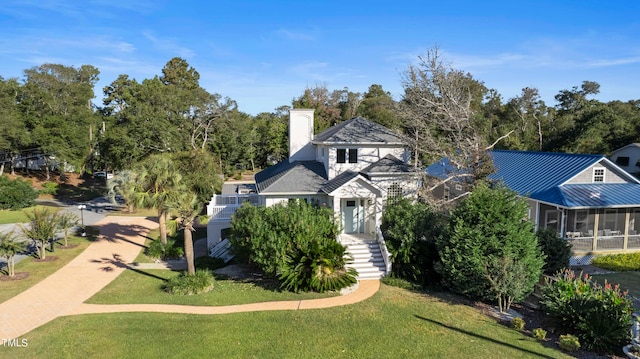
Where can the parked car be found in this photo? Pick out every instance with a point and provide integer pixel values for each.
(103, 175)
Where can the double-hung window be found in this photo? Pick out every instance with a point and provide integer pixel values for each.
(343, 155)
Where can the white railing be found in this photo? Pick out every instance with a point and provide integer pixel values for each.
(222, 207)
(383, 249)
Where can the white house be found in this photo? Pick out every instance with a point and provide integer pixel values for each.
(628, 158)
(352, 167)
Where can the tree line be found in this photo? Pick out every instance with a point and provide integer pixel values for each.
(50, 111)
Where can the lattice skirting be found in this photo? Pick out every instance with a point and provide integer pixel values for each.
(581, 260)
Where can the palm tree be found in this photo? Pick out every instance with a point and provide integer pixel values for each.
(41, 228)
(10, 245)
(158, 179)
(124, 184)
(187, 206)
(65, 222)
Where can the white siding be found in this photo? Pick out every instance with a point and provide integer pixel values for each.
(366, 157)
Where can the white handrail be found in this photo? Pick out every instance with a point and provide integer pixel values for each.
(383, 249)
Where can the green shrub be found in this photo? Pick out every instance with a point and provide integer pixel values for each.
(600, 316)
(317, 265)
(569, 343)
(49, 188)
(16, 194)
(517, 323)
(491, 252)
(410, 230)
(201, 282)
(294, 241)
(159, 250)
(210, 263)
(539, 334)
(619, 262)
(556, 250)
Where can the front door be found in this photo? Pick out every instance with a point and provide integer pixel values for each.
(353, 210)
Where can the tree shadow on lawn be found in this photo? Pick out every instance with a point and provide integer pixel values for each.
(117, 262)
(482, 337)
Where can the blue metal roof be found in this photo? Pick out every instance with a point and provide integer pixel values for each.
(601, 195)
(536, 174)
(542, 176)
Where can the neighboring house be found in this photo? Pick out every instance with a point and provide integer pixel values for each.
(628, 158)
(587, 199)
(352, 167)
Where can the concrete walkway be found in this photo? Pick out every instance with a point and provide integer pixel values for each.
(60, 293)
(122, 238)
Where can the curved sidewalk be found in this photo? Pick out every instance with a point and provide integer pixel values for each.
(65, 291)
(366, 289)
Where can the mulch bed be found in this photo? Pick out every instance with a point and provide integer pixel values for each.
(68, 246)
(16, 276)
(46, 259)
(537, 319)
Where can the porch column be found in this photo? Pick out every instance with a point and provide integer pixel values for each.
(595, 230)
(627, 215)
(338, 212)
(563, 230)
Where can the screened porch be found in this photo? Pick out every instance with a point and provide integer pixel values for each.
(594, 230)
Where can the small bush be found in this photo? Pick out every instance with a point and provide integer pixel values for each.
(209, 263)
(237, 176)
(556, 250)
(600, 316)
(539, 334)
(619, 262)
(158, 250)
(201, 282)
(569, 343)
(517, 323)
(16, 194)
(49, 188)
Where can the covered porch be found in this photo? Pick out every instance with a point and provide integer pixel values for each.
(594, 230)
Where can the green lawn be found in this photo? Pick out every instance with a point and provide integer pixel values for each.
(39, 271)
(144, 286)
(395, 323)
(628, 281)
(20, 216)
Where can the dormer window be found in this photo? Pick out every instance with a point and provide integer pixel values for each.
(343, 155)
(598, 174)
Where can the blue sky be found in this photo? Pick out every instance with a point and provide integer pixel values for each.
(264, 53)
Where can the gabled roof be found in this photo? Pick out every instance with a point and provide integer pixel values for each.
(358, 130)
(389, 164)
(294, 177)
(338, 181)
(543, 176)
(635, 144)
(534, 173)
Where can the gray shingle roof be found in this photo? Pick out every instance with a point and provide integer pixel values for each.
(338, 181)
(294, 177)
(389, 164)
(358, 130)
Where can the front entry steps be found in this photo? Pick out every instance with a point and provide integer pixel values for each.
(367, 259)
